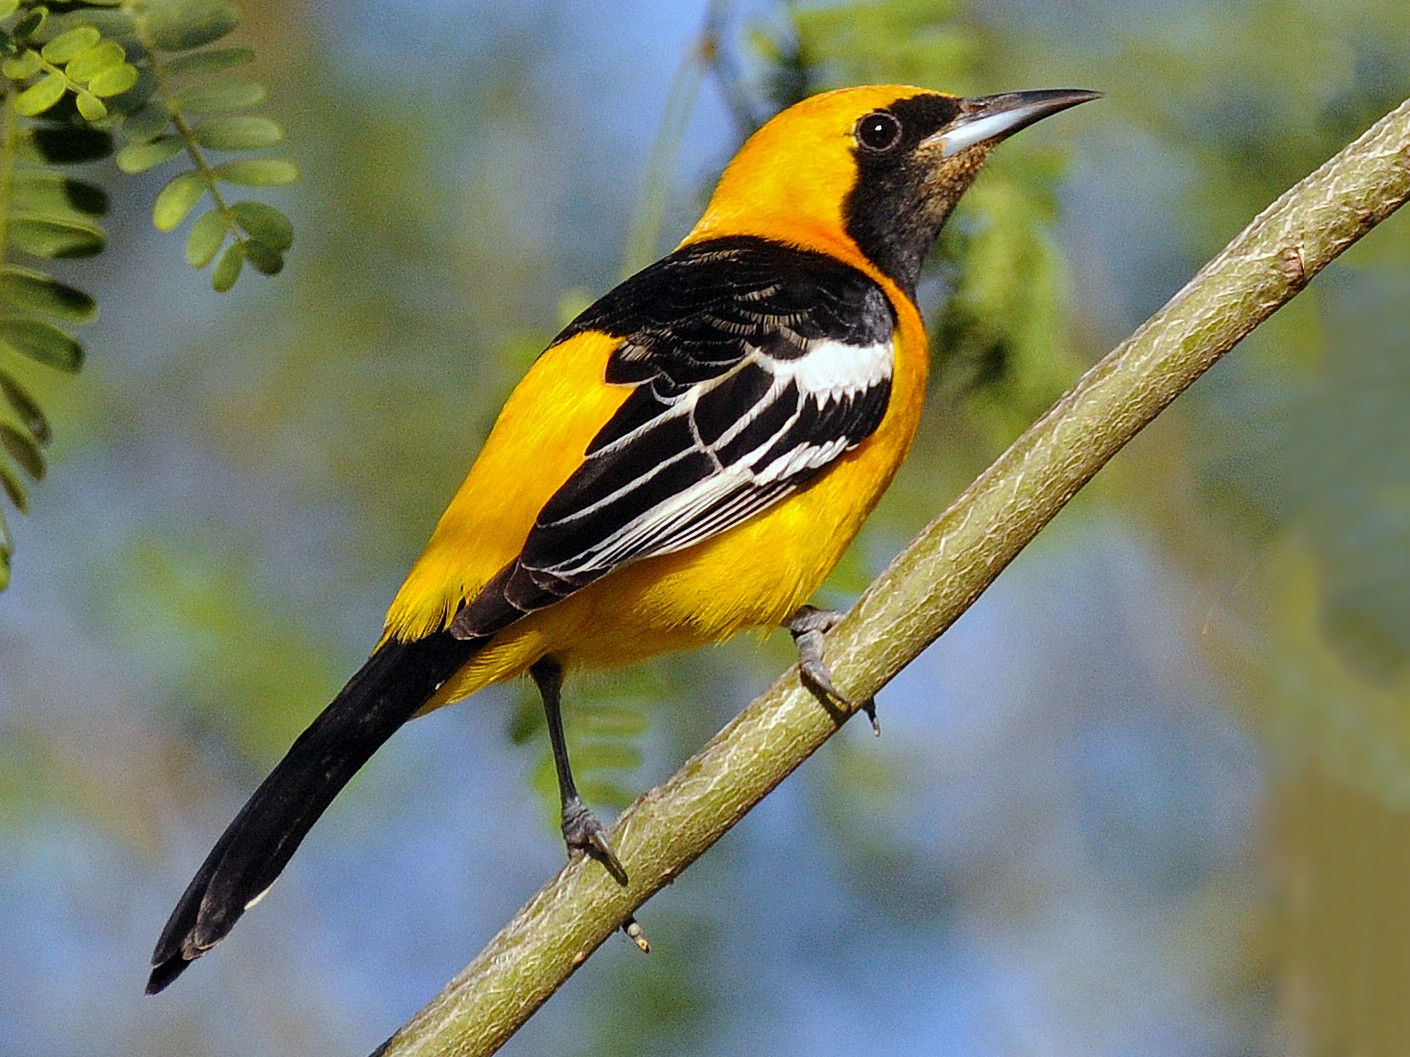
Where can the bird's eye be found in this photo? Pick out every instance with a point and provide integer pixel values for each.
(878, 131)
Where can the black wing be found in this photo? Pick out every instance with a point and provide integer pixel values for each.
(755, 364)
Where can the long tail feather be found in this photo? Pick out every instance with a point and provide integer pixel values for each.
(387, 691)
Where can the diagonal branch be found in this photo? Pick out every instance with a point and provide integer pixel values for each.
(923, 592)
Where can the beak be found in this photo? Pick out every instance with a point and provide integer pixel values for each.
(990, 118)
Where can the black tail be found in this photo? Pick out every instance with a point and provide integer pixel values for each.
(395, 682)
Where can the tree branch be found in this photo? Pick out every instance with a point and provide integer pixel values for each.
(923, 592)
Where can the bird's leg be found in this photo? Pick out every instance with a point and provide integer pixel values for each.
(808, 627)
(581, 830)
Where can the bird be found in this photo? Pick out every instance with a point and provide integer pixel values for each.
(688, 458)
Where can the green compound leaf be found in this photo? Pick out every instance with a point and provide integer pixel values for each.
(139, 157)
(23, 450)
(70, 44)
(25, 407)
(114, 81)
(52, 237)
(8, 7)
(220, 96)
(239, 133)
(228, 270)
(91, 61)
(32, 290)
(180, 25)
(176, 200)
(212, 60)
(265, 224)
(258, 172)
(56, 196)
(204, 241)
(41, 341)
(41, 95)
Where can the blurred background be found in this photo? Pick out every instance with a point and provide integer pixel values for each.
(1149, 796)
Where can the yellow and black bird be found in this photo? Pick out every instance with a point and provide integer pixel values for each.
(688, 458)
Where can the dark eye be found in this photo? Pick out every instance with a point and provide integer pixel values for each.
(879, 131)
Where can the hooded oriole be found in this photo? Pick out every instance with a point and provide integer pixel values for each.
(689, 457)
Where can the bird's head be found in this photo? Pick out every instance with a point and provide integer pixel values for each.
(875, 169)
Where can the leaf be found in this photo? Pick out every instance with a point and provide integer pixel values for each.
(264, 223)
(176, 200)
(40, 96)
(606, 756)
(25, 407)
(23, 66)
(207, 234)
(52, 237)
(139, 157)
(70, 44)
(146, 123)
(220, 96)
(8, 7)
(239, 133)
(180, 25)
(263, 258)
(141, 94)
(621, 721)
(228, 270)
(23, 450)
(90, 107)
(210, 61)
(67, 144)
(33, 290)
(258, 172)
(90, 62)
(11, 486)
(107, 19)
(114, 81)
(46, 192)
(43, 342)
(30, 23)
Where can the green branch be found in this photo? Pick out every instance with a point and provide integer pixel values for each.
(923, 592)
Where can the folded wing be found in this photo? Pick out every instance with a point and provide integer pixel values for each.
(755, 367)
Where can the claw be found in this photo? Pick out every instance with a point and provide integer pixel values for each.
(814, 672)
(583, 833)
(869, 707)
(808, 627)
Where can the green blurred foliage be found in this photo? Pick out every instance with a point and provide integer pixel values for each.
(66, 81)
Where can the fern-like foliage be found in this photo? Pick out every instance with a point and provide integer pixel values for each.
(77, 78)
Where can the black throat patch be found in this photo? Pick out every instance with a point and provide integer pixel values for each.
(899, 203)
